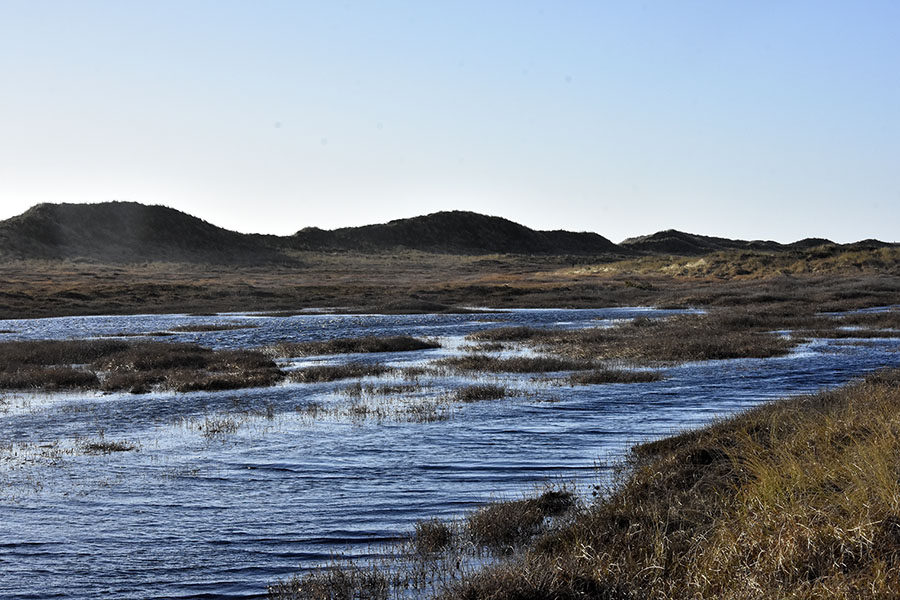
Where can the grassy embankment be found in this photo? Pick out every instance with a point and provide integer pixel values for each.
(798, 498)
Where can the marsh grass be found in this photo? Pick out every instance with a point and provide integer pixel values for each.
(483, 363)
(675, 339)
(326, 373)
(368, 344)
(103, 446)
(125, 365)
(506, 526)
(432, 535)
(379, 409)
(219, 425)
(479, 393)
(602, 376)
(483, 347)
(437, 555)
(511, 334)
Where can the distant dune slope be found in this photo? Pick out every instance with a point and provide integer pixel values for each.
(126, 232)
(672, 241)
(455, 232)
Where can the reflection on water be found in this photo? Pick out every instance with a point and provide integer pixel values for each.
(227, 491)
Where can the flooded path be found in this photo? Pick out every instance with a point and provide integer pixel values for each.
(224, 492)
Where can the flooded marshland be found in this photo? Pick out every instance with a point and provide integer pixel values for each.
(216, 494)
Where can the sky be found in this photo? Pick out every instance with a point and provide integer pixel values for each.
(761, 119)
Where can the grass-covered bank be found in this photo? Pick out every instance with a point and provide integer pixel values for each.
(798, 498)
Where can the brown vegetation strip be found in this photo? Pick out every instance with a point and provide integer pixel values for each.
(125, 365)
(720, 335)
(397, 343)
(324, 373)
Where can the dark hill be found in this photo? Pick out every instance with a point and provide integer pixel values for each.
(687, 244)
(123, 232)
(455, 232)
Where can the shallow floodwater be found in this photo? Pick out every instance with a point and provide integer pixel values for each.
(194, 512)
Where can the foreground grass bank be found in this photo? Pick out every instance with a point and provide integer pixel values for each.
(798, 498)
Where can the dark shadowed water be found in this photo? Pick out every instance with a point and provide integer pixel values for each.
(194, 514)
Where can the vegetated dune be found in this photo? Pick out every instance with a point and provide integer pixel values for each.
(127, 232)
(455, 232)
(676, 242)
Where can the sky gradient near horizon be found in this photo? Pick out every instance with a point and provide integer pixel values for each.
(755, 120)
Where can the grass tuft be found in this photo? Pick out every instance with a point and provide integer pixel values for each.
(478, 393)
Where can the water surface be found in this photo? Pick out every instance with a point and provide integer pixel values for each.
(193, 515)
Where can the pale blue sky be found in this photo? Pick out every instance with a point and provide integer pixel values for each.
(763, 119)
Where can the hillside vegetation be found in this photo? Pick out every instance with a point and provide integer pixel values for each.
(455, 232)
(128, 233)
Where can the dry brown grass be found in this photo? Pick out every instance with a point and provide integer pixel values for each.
(796, 499)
